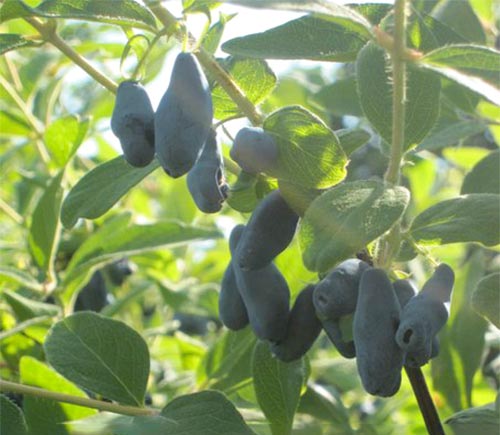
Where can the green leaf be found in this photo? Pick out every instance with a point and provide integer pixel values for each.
(253, 77)
(98, 190)
(102, 355)
(446, 371)
(474, 67)
(45, 227)
(64, 136)
(450, 134)
(344, 219)
(307, 37)
(13, 41)
(119, 240)
(13, 275)
(222, 364)
(309, 152)
(467, 328)
(340, 98)
(204, 413)
(212, 38)
(13, 124)
(474, 60)
(298, 197)
(339, 14)
(26, 308)
(12, 421)
(469, 218)
(480, 420)
(426, 33)
(325, 404)
(119, 12)
(459, 15)
(483, 178)
(486, 298)
(44, 416)
(375, 95)
(352, 139)
(277, 386)
(243, 196)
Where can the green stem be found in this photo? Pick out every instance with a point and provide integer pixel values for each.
(75, 400)
(48, 33)
(9, 211)
(389, 244)
(210, 64)
(398, 93)
(32, 120)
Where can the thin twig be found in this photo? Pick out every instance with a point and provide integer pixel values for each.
(48, 33)
(75, 400)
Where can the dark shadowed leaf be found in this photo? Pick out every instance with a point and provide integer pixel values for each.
(12, 421)
(352, 139)
(486, 298)
(102, 355)
(344, 219)
(375, 94)
(12, 41)
(340, 98)
(484, 176)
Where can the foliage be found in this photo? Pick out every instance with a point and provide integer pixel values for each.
(73, 207)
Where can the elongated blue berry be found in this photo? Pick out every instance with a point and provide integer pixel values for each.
(206, 181)
(376, 319)
(132, 122)
(254, 150)
(337, 293)
(405, 291)
(232, 311)
(303, 328)
(269, 232)
(423, 316)
(183, 118)
(265, 294)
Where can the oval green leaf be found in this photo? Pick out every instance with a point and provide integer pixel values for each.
(309, 152)
(98, 190)
(484, 177)
(469, 218)
(486, 298)
(102, 355)
(12, 421)
(277, 386)
(375, 95)
(207, 412)
(307, 37)
(344, 219)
